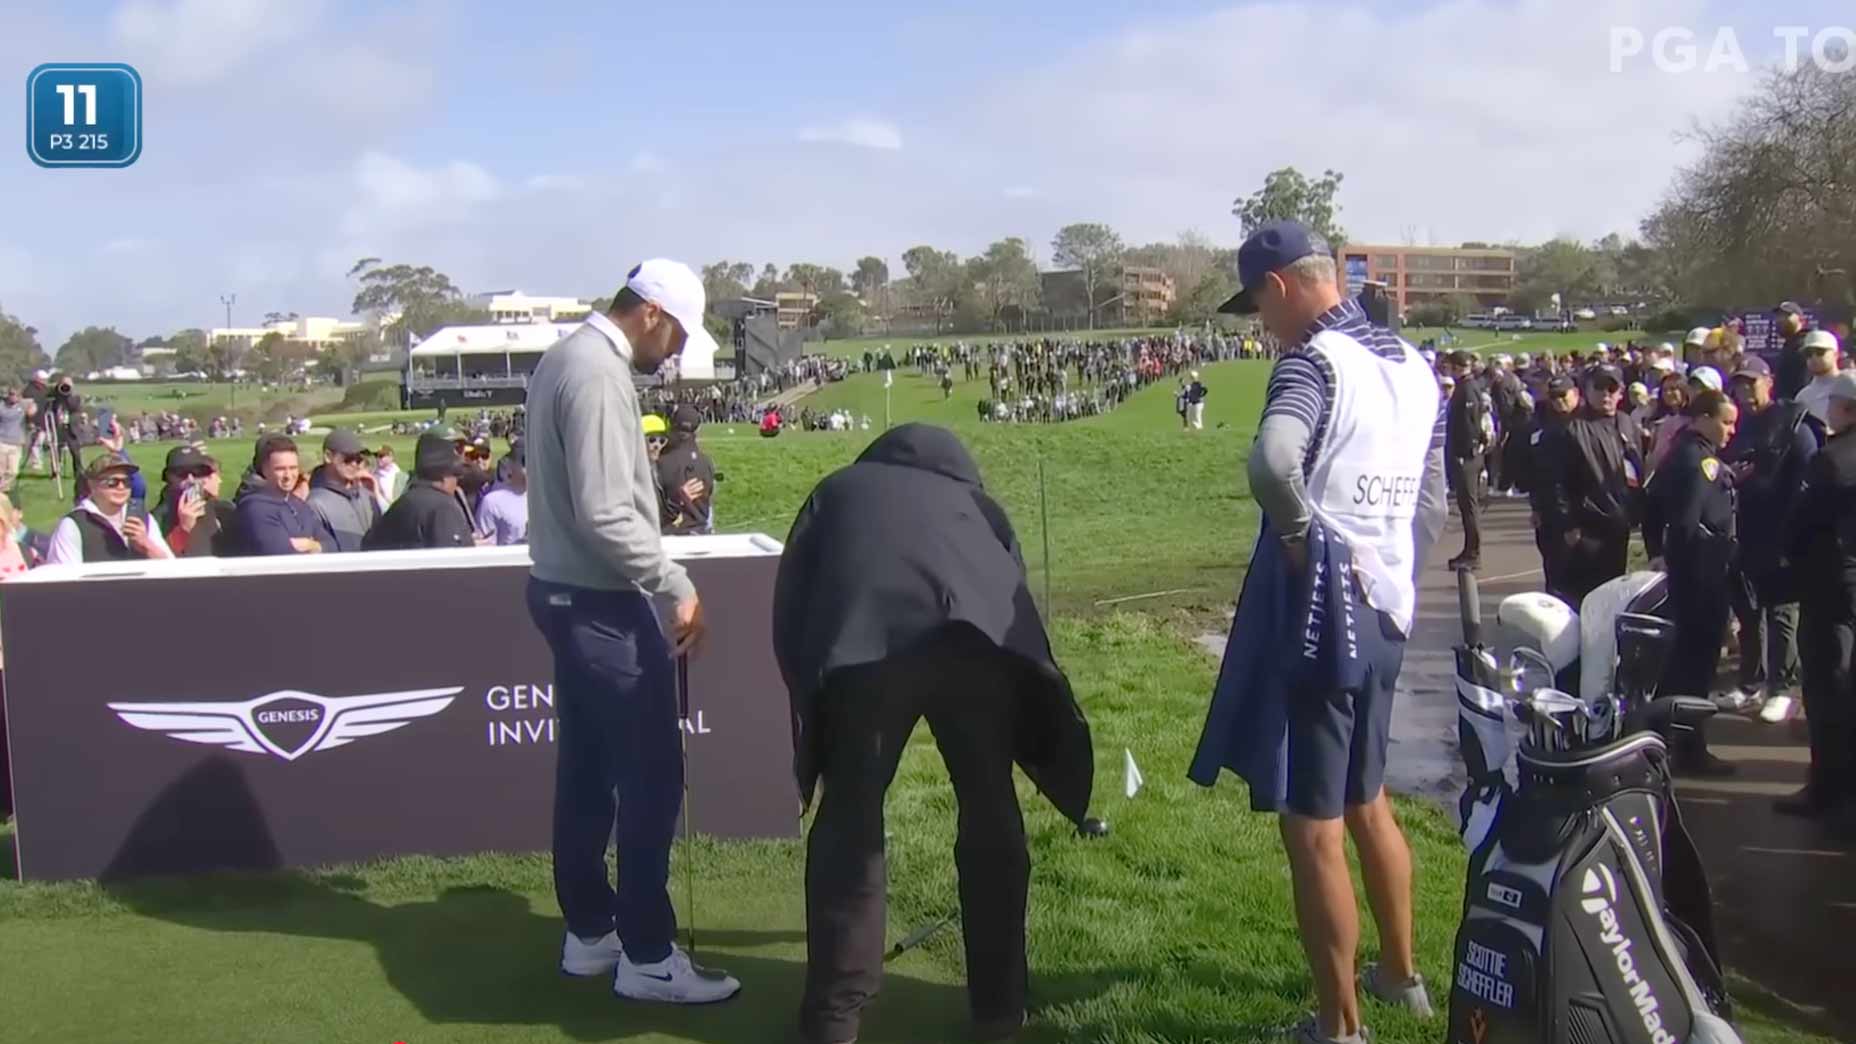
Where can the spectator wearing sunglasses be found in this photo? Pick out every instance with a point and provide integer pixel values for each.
(197, 522)
(343, 491)
(107, 527)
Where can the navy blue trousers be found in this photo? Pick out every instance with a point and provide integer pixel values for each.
(615, 699)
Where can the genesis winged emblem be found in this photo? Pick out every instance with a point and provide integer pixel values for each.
(288, 724)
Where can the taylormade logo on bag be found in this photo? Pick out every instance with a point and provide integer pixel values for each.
(1601, 895)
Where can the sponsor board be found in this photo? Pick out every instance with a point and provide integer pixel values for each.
(274, 753)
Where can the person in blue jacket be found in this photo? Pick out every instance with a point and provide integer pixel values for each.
(274, 516)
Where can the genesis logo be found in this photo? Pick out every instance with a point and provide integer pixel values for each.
(287, 724)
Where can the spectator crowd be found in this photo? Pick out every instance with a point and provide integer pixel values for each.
(1732, 463)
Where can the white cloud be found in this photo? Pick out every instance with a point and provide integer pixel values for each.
(391, 193)
(648, 162)
(555, 183)
(863, 132)
(198, 41)
(1524, 134)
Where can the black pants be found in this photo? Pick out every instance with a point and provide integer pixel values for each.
(1552, 554)
(1494, 464)
(1699, 599)
(966, 690)
(1826, 647)
(1466, 475)
(1590, 563)
(1768, 641)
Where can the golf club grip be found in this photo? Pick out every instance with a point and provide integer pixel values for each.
(1469, 605)
(683, 687)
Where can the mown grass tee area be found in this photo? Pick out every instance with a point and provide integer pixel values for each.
(1178, 928)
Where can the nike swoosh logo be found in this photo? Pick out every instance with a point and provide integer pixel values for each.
(659, 978)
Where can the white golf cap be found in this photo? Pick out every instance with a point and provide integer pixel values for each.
(1843, 386)
(41, 375)
(1666, 348)
(1706, 376)
(1820, 339)
(1664, 365)
(1699, 335)
(672, 286)
(1525, 359)
(1603, 347)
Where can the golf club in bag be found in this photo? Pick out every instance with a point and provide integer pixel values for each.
(1586, 914)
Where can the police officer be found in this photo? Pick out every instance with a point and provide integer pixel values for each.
(1821, 541)
(1468, 432)
(1689, 526)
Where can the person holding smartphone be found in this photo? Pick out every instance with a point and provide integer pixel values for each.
(109, 525)
(198, 524)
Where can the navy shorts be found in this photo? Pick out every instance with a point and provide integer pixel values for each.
(1338, 738)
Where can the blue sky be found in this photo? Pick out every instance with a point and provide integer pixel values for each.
(548, 145)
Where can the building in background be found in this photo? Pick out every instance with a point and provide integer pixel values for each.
(794, 309)
(1416, 276)
(514, 306)
(1147, 295)
(318, 332)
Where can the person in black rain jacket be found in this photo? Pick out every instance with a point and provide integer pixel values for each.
(1586, 489)
(1821, 543)
(901, 595)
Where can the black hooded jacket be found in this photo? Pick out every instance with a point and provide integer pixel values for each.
(890, 550)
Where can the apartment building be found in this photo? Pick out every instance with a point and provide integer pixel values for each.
(1426, 275)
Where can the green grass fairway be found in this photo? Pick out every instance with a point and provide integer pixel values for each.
(198, 398)
(1176, 929)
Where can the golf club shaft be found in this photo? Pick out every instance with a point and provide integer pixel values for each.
(683, 737)
(918, 937)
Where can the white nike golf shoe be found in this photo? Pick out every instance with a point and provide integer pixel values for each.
(591, 958)
(674, 980)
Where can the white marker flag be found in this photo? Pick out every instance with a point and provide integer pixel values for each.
(1131, 778)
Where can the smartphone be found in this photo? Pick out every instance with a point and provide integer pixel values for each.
(138, 508)
(106, 421)
(190, 491)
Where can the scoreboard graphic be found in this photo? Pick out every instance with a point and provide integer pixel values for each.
(84, 114)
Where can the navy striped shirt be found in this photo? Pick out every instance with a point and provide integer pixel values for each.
(1302, 384)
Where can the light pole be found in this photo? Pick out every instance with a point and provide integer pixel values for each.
(229, 300)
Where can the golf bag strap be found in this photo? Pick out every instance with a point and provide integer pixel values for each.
(1686, 894)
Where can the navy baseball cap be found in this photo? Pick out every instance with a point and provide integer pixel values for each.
(1751, 366)
(1606, 372)
(1271, 248)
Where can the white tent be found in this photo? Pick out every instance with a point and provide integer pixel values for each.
(697, 363)
(492, 340)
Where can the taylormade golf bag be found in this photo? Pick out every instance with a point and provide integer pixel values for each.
(1586, 916)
